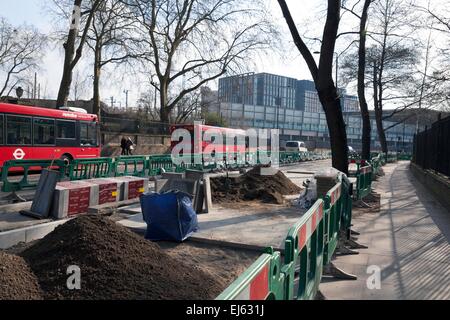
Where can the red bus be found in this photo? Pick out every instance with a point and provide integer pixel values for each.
(41, 133)
(222, 147)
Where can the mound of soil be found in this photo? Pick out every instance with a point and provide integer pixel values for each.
(17, 281)
(115, 263)
(253, 186)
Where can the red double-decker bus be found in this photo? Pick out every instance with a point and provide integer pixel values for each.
(41, 133)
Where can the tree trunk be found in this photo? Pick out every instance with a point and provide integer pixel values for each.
(366, 128)
(69, 53)
(164, 112)
(378, 112)
(381, 133)
(97, 72)
(336, 128)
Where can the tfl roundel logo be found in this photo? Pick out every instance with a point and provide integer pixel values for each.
(19, 154)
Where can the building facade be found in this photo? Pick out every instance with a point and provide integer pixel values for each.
(275, 102)
(269, 90)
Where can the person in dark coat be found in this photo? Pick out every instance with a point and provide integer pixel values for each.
(123, 145)
(130, 146)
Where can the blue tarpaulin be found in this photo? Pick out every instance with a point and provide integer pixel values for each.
(169, 216)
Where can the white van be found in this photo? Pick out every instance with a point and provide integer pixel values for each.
(296, 146)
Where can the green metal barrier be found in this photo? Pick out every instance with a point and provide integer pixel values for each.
(333, 218)
(363, 181)
(404, 156)
(304, 246)
(26, 166)
(130, 166)
(81, 169)
(158, 162)
(346, 203)
(261, 281)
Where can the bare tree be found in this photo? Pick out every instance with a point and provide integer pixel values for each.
(21, 51)
(391, 60)
(112, 40)
(73, 49)
(79, 85)
(197, 41)
(322, 76)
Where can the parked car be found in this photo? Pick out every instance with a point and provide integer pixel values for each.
(296, 146)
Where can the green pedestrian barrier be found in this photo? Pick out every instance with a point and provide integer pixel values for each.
(304, 246)
(81, 169)
(333, 217)
(25, 167)
(346, 203)
(158, 162)
(363, 181)
(130, 166)
(261, 281)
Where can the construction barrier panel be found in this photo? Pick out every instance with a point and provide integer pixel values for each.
(81, 169)
(130, 166)
(363, 181)
(304, 246)
(346, 203)
(24, 167)
(263, 280)
(333, 218)
(158, 162)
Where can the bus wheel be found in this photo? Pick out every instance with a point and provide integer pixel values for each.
(67, 158)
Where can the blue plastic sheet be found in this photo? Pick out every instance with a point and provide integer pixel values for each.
(169, 216)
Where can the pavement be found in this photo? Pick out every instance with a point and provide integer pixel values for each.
(408, 240)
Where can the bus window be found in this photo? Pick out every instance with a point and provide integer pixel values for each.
(1, 130)
(18, 130)
(66, 129)
(88, 134)
(44, 131)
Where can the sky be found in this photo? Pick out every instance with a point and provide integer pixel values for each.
(289, 64)
(33, 12)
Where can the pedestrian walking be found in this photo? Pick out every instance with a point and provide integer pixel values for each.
(130, 146)
(123, 145)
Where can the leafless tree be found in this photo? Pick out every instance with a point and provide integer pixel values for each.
(197, 41)
(114, 39)
(365, 115)
(322, 76)
(73, 47)
(79, 85)
(21, 50)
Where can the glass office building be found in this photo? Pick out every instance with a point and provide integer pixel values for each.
(269, 90)
(270, 101)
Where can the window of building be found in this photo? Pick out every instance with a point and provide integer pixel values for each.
(44, 131)
(66, 129)
(18, 130)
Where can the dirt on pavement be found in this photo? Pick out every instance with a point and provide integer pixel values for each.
(17, 281)
(225, 264)
(253, 186)
(115, 263)
(372, 204)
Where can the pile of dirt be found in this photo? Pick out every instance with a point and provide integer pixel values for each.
(253, 186)
(17, 281)
(115, 263)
